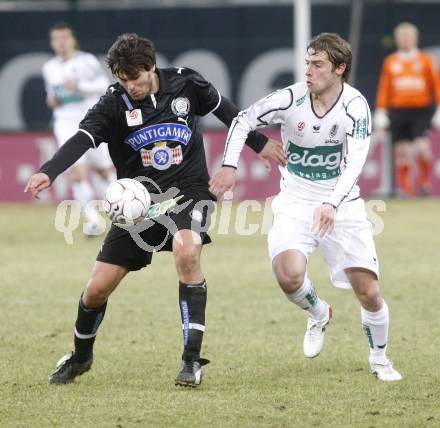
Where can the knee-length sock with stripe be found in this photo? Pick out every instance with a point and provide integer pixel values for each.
(86, 329)
(192, 301)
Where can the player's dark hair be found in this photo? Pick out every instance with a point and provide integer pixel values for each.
(62, 26)
(337, 49)
(130, 54)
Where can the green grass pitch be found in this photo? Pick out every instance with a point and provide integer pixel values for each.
(258, 376)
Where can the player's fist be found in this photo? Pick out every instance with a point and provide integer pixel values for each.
(71, 84)
(381, 120)
(222, 181)
(324, 219)
(52, 102)
(37, 183)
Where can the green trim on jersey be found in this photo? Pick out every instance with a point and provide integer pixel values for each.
(314, 163)
(300, 101)
(361, 129)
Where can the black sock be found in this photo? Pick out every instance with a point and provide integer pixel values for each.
(86, 328)
(192, 300)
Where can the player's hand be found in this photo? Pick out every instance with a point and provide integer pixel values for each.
(273, 150)
(37, 183)
(381, 120)
(435, 121)
(222, 181)
(324, 220)
(52, 102)
(71, 84)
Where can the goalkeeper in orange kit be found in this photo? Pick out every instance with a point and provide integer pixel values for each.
(408, 103)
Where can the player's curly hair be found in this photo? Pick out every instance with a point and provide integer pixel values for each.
(337, 49)
(130, 54)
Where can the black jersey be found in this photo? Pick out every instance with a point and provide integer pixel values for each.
(158, 137)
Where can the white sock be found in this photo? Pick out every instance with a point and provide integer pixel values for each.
(375, 326)
(306, 298)
(101, 183)
(82, 192)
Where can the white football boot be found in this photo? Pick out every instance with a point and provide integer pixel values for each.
(314, 337)
(383, 370)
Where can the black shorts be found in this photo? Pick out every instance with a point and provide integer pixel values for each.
(134, 250)
(409, 123)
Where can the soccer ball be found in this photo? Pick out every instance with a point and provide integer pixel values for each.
(126, 201)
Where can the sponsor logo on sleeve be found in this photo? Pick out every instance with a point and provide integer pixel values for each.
(300, 101)
(361, 131)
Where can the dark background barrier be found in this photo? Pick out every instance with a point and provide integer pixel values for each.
(245, 50)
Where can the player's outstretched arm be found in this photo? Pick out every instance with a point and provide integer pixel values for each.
(223, 181)
(264, 112)
(227, 111)
(65, 157)
(37, 183)
(211, 101)
(267, 148)
(267, 111)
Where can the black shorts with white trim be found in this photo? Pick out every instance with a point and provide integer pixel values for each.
(135, 250)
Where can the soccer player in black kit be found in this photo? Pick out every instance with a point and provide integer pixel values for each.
(149, 121)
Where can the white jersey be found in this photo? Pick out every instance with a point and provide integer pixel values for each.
(91, 81)
(325, 153)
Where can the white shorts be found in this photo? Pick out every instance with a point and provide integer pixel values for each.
(98, 158)
(349, 245)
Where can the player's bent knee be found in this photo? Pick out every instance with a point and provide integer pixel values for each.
(371, 297)
(187, 259)
(103, 280)
(96, 294)
(186, 251)
(288, 278)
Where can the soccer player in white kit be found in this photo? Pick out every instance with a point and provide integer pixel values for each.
(325, 129)
(74, 81)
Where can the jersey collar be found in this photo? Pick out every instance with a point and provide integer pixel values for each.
(164, 82)
(331, 108)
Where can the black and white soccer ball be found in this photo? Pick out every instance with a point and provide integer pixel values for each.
(126, 201)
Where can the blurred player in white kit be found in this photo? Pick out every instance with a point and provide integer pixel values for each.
(74, 81)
